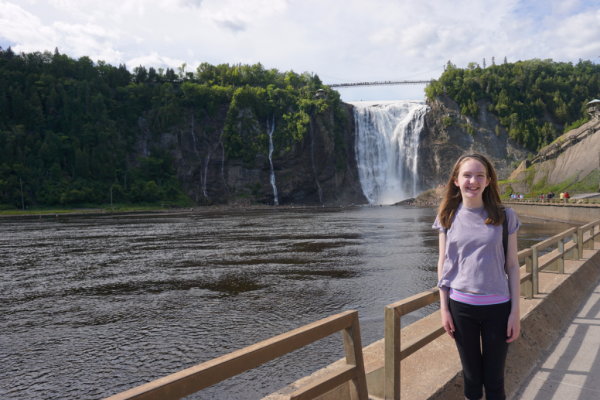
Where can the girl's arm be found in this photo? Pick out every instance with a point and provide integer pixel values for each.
(444, 310)
(512, 268)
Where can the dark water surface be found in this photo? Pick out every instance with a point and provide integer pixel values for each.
(91, 306)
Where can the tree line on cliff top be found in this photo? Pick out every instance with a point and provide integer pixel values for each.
(535, 100)
(69, 127)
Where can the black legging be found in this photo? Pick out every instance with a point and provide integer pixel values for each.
(482, 365)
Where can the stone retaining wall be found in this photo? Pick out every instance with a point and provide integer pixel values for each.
(562, 212)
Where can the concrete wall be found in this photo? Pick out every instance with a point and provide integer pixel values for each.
(562, 212)
(435, 372)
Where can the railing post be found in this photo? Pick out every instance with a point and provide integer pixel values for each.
(578, 238)
(534, 270)
(529, 283)
(354, 356)
(561, 260)
(392, 354)
(591, 242)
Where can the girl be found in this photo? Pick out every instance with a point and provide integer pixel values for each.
(478, 303)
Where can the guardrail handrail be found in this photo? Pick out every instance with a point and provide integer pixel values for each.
(201, 376)
(592, 237)
(394, 353)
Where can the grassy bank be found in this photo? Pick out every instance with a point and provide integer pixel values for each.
(588, 184)
(95, 208)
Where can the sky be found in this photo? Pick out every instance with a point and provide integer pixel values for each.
(341, 41)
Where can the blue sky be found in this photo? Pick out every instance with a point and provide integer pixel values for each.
(339, 40)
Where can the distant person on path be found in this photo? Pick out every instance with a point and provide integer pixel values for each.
(562, 197)
(478, 303)
(567, 197)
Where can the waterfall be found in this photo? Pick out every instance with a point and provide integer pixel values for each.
(205, 171)
(270, 130)
(312, 157)
(210, 151)
(223, 162)
(195, 149)
(386, 144)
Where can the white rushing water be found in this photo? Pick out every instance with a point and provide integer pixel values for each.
(270, 130)
(386, 143)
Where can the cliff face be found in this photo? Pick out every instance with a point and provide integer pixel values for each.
(448, 134)
(315, 170)
(320, 169)
(575, 169)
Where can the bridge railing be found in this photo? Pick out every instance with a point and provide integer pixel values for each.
(201, 376)
(379, 83)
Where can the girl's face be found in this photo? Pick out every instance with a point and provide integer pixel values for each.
(472, 179)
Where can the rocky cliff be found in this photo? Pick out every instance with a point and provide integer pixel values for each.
(575, 168)
(322, 168)
(319, 169)
(448, 134)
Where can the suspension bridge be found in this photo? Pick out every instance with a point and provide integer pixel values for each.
(379, 83)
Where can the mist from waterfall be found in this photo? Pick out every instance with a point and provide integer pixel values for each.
(270, 130)
(386, 144)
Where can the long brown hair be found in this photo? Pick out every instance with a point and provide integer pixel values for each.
(491, 194)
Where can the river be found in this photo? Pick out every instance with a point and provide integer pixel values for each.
(91, 306)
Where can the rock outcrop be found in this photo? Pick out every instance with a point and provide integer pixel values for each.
(301, 172)
(578, 162)
(321, 168)
(448, 134)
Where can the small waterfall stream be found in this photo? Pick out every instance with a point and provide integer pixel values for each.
(312, 156)
(270, 130)
(386, 144)
(223, 162)
(195, 149)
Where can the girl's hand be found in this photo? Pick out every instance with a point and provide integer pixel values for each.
(447, 322)
(514, 327)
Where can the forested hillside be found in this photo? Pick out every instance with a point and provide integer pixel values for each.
(535, 100)
(68, 128)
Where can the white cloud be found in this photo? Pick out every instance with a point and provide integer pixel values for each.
(231, 25)
(565, 6)
(181, 3)
(25, 29)
(154, 60)
(29, 34)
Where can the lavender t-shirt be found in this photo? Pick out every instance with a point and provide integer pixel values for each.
(474, 252)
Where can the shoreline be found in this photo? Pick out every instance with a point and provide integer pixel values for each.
(35, 214)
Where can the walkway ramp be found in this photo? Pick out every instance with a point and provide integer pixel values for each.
(571, 369)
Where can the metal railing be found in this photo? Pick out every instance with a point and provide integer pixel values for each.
(201, 376)
(379, 83)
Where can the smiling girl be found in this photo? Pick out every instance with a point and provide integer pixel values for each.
(479, 304)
